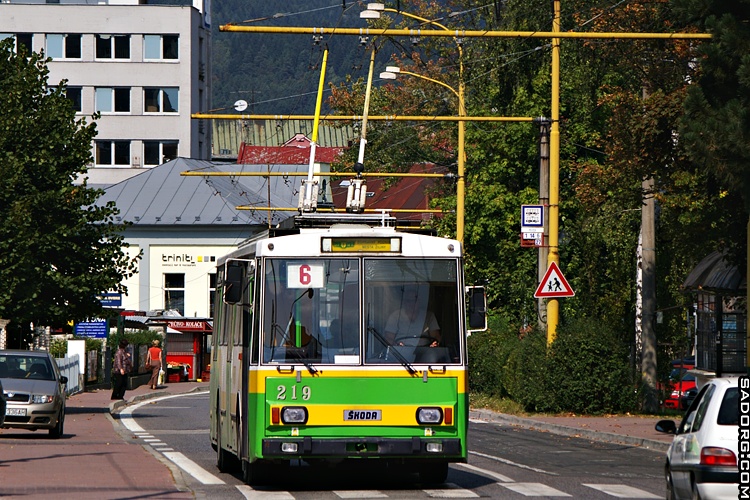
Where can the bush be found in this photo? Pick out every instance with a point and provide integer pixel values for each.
(487, 354)
(585, 370)
(589, 369)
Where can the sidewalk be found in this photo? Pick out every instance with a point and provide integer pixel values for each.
(98, 458)
(624, 429)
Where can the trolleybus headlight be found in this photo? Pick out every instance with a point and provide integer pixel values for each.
(294, 415)
(426, 415)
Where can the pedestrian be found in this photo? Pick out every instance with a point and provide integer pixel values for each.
(120, 369)
(153, 361)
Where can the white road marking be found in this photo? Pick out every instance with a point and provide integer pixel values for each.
(453, 491)
(192, 468)
(128, 420)
(488, 473)
(514, 464)
(535, 490)
(622, 491)
(348, 494)
(251, 494)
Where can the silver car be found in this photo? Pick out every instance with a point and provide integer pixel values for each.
(34, 391)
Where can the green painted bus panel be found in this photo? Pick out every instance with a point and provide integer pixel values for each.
(383, 392)
(363, 391)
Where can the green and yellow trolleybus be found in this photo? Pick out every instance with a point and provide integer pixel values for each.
(342, 338)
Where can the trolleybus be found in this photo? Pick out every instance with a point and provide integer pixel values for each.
(342, 338)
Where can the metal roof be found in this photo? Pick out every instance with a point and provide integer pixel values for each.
(161, 196)
(715, 274)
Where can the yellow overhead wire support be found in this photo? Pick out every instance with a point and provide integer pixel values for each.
(292, 30)
(387, 118)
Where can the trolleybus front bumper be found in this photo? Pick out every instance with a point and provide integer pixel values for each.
(361, 447)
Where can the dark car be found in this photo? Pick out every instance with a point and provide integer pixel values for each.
(34, 391)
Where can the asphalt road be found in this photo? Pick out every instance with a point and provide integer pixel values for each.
(504, 462)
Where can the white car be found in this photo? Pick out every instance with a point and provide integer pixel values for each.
(702, 459)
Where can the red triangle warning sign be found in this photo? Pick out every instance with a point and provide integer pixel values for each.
(553, 284)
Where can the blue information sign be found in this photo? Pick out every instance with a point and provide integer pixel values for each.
(111, 299)
(94, 329)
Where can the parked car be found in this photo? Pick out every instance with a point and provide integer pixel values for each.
(701, 461)
(34, 391)
(676, 399)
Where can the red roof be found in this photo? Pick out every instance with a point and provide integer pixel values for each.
(406, 192)
(296, 153)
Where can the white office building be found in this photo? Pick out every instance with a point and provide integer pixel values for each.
(143, 64)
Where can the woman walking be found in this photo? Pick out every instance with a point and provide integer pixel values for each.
(120, 369)
(153, 360)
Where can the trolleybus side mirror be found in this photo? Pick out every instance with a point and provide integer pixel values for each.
(232, 283)
(477, 309)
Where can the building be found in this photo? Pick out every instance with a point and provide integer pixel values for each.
(143, 64)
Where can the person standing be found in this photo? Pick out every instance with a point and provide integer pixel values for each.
(120, 369)
(153, 360)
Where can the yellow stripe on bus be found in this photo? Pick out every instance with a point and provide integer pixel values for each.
(390, 415)
(257, 376)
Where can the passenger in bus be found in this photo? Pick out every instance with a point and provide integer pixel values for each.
(413, 324)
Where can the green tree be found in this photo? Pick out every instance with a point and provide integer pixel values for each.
(715, 128)
(57, 250)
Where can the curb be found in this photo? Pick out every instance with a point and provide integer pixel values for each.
(116, 406)
(563, 430)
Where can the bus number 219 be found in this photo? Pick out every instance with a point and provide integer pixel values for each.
(281, 392)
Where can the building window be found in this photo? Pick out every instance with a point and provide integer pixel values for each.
(74, 95)
(160, 100)
(64, 46)
(113, 46)
(160, 47)
(113, 100)
(158, 152)
(113, 153)
(211, 294)
(174, 292)
(22, 40)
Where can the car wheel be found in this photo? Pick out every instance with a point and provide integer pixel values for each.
(57, 431)
(670, 486)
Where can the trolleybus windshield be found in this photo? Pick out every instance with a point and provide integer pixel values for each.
(314, 311)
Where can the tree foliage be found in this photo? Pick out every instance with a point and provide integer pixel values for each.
(58, 251)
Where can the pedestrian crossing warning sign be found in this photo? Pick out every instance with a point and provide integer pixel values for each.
(553, 284)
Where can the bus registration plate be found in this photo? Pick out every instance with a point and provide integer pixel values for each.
(363, 414)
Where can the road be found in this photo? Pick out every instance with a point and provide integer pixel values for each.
(504, 462)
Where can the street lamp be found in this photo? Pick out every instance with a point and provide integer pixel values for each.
(373, 12)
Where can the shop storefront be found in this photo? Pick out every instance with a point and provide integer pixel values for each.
(187, 341)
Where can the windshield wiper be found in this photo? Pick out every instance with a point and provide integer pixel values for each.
(404, 362)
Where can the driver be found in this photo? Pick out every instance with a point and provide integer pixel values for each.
(412, 325)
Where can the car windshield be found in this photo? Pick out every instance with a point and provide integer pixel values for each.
(20, 366)
(730, 407)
